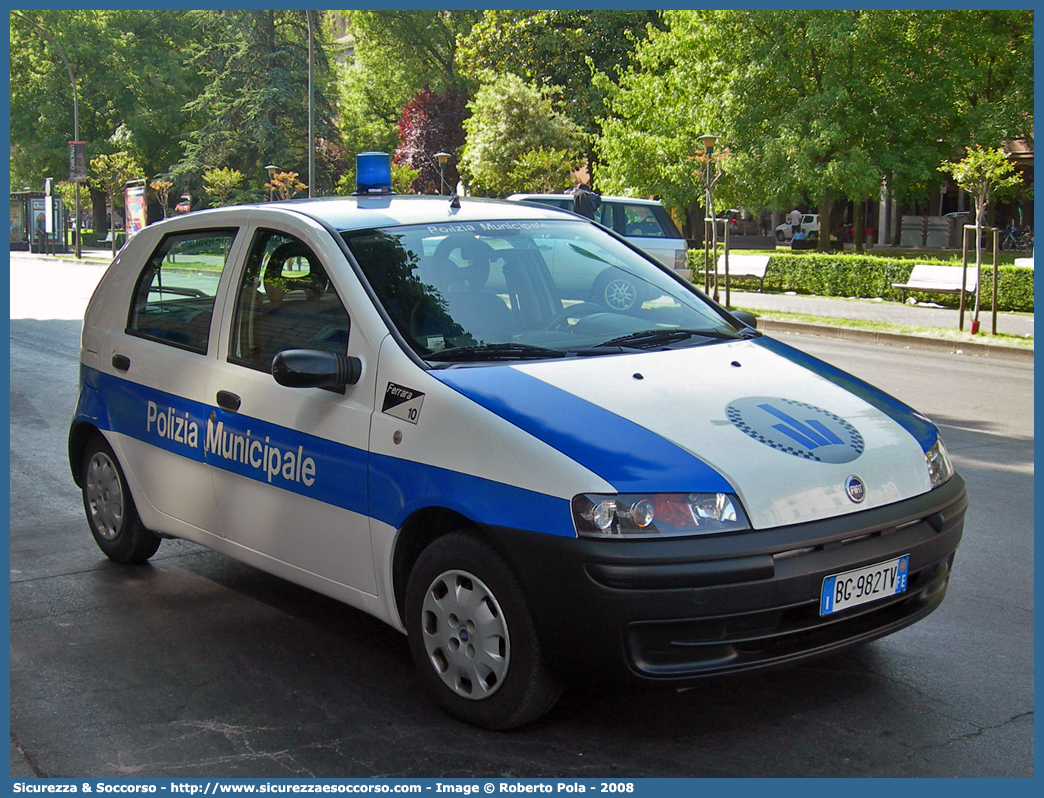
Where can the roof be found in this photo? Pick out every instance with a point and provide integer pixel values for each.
(637, 200)
(364, 212)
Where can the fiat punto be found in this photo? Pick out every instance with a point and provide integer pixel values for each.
(388, 399)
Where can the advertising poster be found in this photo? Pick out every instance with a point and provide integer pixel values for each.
(135, 204)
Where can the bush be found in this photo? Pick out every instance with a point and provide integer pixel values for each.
(849, 275)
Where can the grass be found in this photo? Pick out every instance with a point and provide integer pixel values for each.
(944, 333)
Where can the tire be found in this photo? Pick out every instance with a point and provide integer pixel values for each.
(472, 638)
(110, 509)
(813, 236)
(616, 291)
(780, 237)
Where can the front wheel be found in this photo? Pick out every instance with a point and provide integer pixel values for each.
(111, 513)
(780, 237)
(472, 638)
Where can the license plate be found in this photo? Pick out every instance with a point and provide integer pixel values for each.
(852, 588)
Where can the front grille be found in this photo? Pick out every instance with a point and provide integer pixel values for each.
(709, 646)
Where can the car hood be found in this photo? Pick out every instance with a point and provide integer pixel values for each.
(785, 432)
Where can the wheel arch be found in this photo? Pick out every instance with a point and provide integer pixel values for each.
(79, 434)
(418, 532)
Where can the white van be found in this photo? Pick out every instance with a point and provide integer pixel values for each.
(389, 400)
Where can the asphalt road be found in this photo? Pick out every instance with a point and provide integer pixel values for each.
(195, 665)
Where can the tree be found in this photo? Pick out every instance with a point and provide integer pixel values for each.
(162, 188)
(983, 172)
(557, 48)
(219, 183)
(252, 110)
(814, 104)
(542, 171)
(131, 77)
(510, 118)
(396, 54)
(431, 123)
(109, 174)
(286, 185)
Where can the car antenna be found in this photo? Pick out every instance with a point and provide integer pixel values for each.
(454, 201)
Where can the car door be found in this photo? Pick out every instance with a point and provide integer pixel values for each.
(289, 464)
(157, 387)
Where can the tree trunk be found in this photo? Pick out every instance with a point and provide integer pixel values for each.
(826, 201)
(858, 218)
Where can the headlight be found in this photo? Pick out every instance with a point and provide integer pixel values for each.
(940, 468)
(657, 514)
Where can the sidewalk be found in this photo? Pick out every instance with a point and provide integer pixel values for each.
(942, 319)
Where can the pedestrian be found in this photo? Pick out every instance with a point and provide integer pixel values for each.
(585, 201)
(795, 221)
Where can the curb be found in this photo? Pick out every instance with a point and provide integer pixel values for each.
(996, 351)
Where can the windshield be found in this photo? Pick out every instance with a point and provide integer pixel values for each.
(496, 290)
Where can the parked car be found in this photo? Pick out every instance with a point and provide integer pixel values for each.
(645, 223)
(809, 226)
(387, 399)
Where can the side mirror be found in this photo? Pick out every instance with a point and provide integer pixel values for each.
(747, 318)
(310, 368)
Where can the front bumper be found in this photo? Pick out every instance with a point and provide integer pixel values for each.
(685, 609)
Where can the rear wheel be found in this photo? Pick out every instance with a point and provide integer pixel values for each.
(780, 236)
(111, 513)
(472, 638)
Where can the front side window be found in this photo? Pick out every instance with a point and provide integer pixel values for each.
(285, 301)
(496, 290)
(174, 297)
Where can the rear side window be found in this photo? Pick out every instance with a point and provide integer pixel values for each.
(640, 222)
(174, 296)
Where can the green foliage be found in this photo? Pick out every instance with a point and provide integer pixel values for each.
(870, 276)
(253, 109)
(109, 173)
(557, 48)
(982, 172)
(131, 76)
(396, 54)
(220, 183)
(509, 119)
(815, 105)
(541, 171)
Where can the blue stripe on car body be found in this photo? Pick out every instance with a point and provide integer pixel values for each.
(385, 488)
(923, 430)
(636, 460)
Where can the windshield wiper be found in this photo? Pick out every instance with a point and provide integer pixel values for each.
(496, 352)
(650, 338)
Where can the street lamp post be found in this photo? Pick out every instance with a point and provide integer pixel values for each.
(443, 159)
(271, 177)
(76, 119)
(708, 141)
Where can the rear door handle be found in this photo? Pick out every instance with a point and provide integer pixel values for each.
(120, 362)
(228, 401)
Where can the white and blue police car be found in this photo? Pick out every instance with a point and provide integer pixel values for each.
(399, 402)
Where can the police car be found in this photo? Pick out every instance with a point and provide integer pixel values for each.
(387, 399)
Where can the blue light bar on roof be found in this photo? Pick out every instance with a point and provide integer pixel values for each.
(373, 173)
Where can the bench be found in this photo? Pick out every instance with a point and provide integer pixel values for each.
(933, 279)
(745, 267)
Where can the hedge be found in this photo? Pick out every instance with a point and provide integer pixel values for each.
(849, 275)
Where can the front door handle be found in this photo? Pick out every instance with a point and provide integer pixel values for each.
(120, 362)
(228, 401)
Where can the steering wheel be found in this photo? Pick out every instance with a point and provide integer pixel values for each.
(475, 252)
(559, 320)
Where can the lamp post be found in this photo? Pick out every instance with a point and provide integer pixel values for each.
(76, 118)
(708, 140)
(443, 159)
(271, 176)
